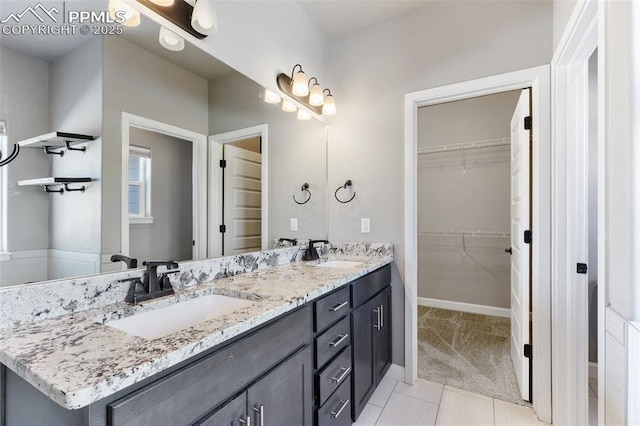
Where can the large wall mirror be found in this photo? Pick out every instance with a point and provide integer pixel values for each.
(163, 123)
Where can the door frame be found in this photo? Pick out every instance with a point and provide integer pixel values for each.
(538, 78)
(215, 195)
(199, 177)
(570, 75)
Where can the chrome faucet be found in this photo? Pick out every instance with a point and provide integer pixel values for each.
(312, 252)
(151, 286)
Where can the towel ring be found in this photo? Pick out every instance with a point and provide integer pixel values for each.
(12, 156)
(347, 184)
(304, 188)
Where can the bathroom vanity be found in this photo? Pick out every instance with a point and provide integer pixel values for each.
(310, 349)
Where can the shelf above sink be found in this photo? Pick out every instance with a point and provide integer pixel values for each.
(55, 140)
(169, 319)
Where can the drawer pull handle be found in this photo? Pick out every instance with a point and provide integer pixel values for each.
(381, 316)
(343, 405)
(260, 411)
(345, 373)
(246, 422)
(340, 339)
(378, 324)
(339, 306)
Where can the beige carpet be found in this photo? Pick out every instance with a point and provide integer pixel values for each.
(467, 351)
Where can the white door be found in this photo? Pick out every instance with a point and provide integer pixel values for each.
(520, 259)
(242, 200)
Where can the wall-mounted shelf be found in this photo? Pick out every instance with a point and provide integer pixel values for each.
(55, 140)
(61, 182)
(489, 143)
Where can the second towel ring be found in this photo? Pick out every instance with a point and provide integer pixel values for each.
(347, 184)
(304, 188)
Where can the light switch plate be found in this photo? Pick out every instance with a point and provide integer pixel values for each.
(293, 224)
(365, 225)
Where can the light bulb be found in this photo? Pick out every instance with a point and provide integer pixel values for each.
(303, 115)
(288, 106)
(300, 85)
(316, 98)
(329, 107)
(271, 97)
(123, 13)
(205, 17)
(170, 40)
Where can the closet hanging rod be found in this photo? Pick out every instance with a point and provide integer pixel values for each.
(477, 234)
(489, 143)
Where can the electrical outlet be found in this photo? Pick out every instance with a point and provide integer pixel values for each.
(293, 224)
(365, 225)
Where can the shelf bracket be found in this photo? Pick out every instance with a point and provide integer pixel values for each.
(47, 150)
(81, 189)
(70, 148)
(46, 189)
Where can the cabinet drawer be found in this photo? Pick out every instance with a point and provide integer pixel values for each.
(366, 287)
(337, 410)
(186, 395)
(332, 341)
(333, 375)
(331, 308)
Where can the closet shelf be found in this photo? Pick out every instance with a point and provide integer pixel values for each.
(55, 140)
(490, 143)
(475, 234)
(48, 181)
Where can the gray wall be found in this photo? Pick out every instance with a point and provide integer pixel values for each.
(296, 153)
(138, 82)
(562, 10)
(171, 233)
(75, 91)
(437, 44)
(452, 198)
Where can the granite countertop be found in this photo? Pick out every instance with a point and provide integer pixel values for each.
(76, 360)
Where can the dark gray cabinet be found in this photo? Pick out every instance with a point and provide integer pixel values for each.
(233, 413)
(371, 331)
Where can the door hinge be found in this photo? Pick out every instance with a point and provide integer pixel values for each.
(223, 228)
(581, 268)
(223, 163)
(528, 350)
(527, 236)
(193, 242)
(527, 123)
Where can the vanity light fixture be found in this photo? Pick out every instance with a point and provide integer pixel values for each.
(329, 106)
(303, 115)
(288, 106)
(181, 13)
(170, 40)
(117, 8)
(316, 97)
(205, 17)
(164, 3)
(299, 82)
(271, 97)
(316, 100)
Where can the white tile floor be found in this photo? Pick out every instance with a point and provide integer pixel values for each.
(427, 403)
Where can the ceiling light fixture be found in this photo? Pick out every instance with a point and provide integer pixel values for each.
(205, 17)
(170, 40)
(271, 97)
(119, 10)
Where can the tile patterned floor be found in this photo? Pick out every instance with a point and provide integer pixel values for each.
(428, 404)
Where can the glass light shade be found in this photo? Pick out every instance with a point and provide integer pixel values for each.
(316, 98)
(300, 84)
(170, 40)
(163, 3)
(120, 10)
(271, 97)
(303, 115)
(329, 107)
(288, 106)
(205, 18)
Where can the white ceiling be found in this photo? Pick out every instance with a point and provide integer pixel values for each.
(338, 17)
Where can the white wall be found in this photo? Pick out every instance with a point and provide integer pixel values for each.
(562, 10)
(454, 198)
(437, 44)
(296, 154)
(140, 83)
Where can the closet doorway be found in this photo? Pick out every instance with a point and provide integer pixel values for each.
(539, 304)
(473, 280)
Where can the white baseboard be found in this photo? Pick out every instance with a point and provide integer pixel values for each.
(395, 372)
(465, 307)
(593, 370)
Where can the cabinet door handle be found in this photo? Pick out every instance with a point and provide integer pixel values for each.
(339, 306)
(260, 411)
(343, 405)
(377, 325)
(340, 339)
(345, 373)
(381, 316)
(246, 422)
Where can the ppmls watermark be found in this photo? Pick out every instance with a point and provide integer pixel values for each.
(57, 20)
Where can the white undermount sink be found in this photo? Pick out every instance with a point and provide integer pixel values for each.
(340, 264)
(169, 319)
